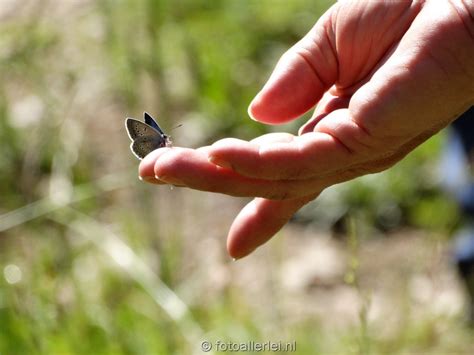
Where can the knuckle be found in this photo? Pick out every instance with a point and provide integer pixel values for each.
(278, 195)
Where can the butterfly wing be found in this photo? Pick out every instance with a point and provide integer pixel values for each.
(151, 121)
(145, 137)
(142, 146)
(136, 129)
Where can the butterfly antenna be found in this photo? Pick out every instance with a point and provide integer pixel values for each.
(180, 125)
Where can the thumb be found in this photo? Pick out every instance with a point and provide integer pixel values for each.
(300, 78)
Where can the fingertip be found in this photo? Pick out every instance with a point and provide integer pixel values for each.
(259, 221)
(236, 252)
(223, 149)
(238, 246)
(219, 162)
(250, 110)
(165, 162)
(292, 90)
(241, 237)
(309, 126)
(261, 109)
(152, 180)
(228, 143)
(235, 154)
(146, 166)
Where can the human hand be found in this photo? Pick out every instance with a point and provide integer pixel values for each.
(385, 77)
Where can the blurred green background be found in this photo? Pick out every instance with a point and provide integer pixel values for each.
(94, 262)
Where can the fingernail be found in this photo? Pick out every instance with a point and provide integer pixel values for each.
(249, 110)
(220, 162)
(169, 180)
(150, 179)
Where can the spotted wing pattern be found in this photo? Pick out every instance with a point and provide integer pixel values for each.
(145, 138)
(143, 146)
(136, 129)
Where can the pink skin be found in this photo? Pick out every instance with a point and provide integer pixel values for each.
(384, 77)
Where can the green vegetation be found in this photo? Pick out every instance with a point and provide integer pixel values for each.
(93, 261)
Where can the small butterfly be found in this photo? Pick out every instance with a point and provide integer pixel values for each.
(146, 136)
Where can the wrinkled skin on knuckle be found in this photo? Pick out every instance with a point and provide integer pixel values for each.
(299, 172)
(278, 195)
(376, 166)
(290, 189)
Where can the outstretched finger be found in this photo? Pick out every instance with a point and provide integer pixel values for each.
(191, 168)
(259, 221)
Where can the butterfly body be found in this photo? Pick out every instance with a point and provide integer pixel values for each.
(146, 136)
